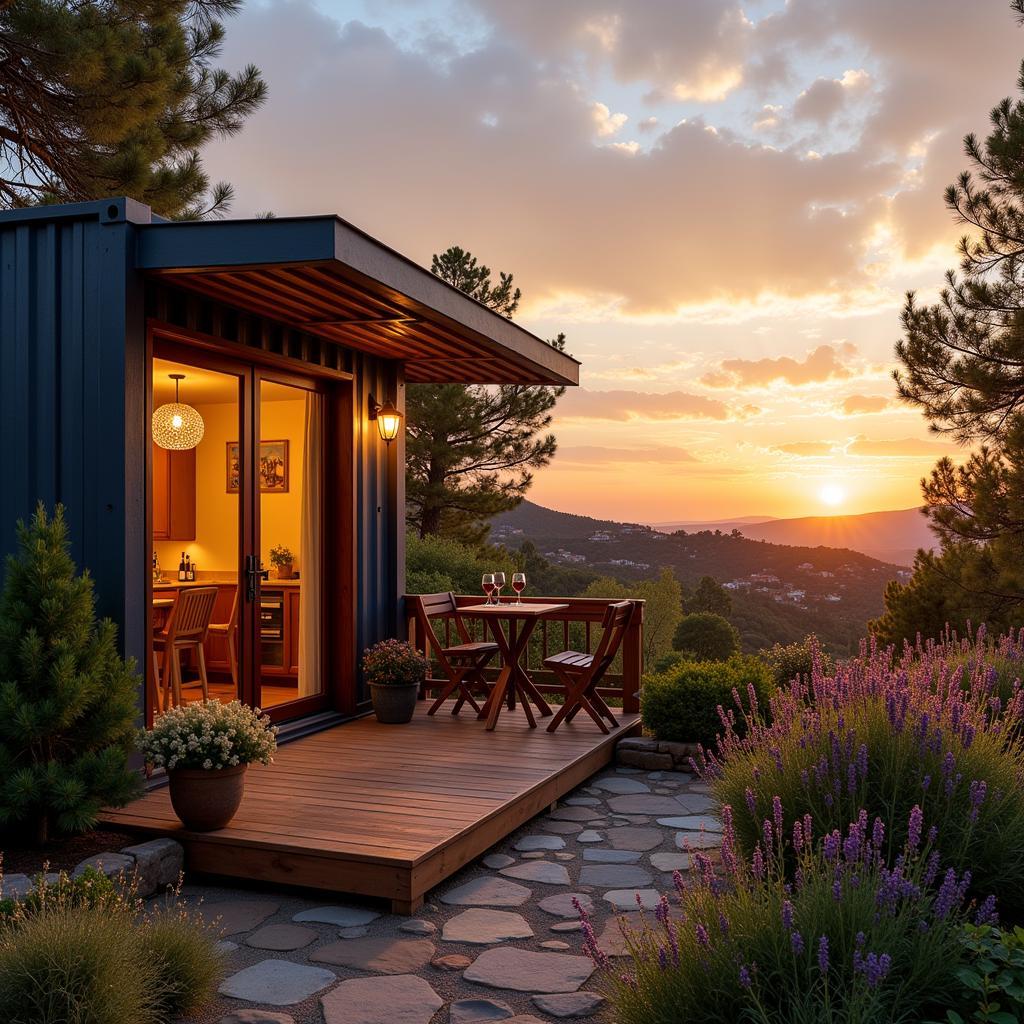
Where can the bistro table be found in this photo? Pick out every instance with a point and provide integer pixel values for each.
(513, 678)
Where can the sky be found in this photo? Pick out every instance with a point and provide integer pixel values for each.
(721, 204)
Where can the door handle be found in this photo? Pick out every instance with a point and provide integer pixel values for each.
(253, 574)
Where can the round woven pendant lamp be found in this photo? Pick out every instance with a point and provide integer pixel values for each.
(177, 426)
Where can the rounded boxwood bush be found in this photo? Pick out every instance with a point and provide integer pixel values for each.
(797, 660)
(705, 636)
(682, 704)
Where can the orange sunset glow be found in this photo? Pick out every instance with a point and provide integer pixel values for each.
(720, 203)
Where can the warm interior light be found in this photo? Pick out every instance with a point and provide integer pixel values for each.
(389, 419)
(176, 426)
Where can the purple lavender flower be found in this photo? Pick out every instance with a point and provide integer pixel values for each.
(702, 936)
(751, 802)
(977, 794)
(787, 915)
(986, 913)
(830, 845)
(777, 814)
(823, 954)
(745, 980)
(914, 826)
(796, 940)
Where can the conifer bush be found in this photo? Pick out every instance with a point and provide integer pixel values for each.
(67, 698)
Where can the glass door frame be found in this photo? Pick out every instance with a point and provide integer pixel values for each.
(337, 522)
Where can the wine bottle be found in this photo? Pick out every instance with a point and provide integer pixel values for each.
(190, 575)
(181, 569)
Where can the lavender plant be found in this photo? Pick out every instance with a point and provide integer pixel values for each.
(845, 937)
(929, 729)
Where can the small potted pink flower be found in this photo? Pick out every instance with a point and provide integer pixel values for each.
(395, 671)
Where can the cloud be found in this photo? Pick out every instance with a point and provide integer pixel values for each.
(805, 449)
(826, 362)
(863, 405)
(826, 97)
(605, 121)
(599, 455)
(623, 406)
(768, 117)
(905, 447)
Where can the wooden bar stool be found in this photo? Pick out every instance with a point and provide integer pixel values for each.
(229, 630)
(186, 629)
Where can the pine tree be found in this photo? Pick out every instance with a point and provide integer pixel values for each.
(67, 699)
(117, 97)
(709, 596)
(471, 450)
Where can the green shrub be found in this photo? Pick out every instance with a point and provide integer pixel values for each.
(705, 636)
(668, 661)
(682, 704)
(796, 661)
(83, 951)
(990, 977)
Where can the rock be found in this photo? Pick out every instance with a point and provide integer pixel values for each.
(256, 1017)
(680, 752)
(224, 946)
(545, 872)
(693, 823)
(414, 926)
(401, 999)
(480, 927)
(644, 803)
(472, 1011)
(565, 856)
(451, 962)
(574, 814)
(110, 864)
(696, 803)
(602, 856)
(555, 944)
(644, 759)
(343, 917)
(614, 875)
(561, 828)
(612, 939)
(626, 899)
(282, 937)
(496, 861)
(536, 854)
(621, 785)
(561, 905)
(698, 841)
(635, 839)
(277, 982)
(521, 970)
(671, 861)
(532, 843)
(633, 819)
(583, 801)
(234, 916)
(590, 836)
(567, 926)
(353, 933)
(487, 892)
(570, 1004)
(383, 953)
(158, 864)
(16, 887)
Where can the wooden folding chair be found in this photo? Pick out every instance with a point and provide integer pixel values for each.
(580, 673)
(463, 663)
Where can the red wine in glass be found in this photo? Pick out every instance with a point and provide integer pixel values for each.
(487, 582)
(519, 585)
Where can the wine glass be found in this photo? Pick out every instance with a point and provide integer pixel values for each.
(487, 582)
(519, 585)
(499, 582)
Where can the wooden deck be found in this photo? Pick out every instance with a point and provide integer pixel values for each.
(387, 811)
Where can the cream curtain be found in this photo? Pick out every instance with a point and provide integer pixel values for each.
(310, 540)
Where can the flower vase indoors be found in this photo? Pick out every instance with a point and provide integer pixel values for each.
(395, 671)
(205, 748)
(282, 559)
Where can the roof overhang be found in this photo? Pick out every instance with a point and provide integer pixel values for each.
(326, 277)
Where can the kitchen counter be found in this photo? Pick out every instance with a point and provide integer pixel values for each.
(217, 581)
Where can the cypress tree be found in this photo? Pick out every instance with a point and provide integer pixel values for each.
(67, 698)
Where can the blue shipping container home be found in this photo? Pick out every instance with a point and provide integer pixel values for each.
(204, 398)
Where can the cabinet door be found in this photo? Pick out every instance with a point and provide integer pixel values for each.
(174, 494)
(293, 629)
(161, 495)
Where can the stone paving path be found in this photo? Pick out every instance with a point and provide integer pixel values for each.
(499, 941)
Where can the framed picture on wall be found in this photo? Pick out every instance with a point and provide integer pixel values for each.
(273, 467)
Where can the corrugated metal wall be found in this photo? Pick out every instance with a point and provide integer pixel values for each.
(72, 359)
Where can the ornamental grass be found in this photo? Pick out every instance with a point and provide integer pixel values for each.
(938, 728)
(806, 932)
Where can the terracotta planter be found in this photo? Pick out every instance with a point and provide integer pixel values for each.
(394, 705)
(206, 800)
(286, 571)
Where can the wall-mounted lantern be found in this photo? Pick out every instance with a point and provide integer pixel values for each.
(389, 419)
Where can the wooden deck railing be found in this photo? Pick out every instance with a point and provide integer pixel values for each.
(577, 628)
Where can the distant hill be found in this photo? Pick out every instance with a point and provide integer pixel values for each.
(888, 536)
(781, 592)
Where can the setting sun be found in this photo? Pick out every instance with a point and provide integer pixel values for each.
(832, 495)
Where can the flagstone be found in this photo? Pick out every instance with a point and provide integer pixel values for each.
(237, 915)
(561, 828)
(253, 1016)
(599, 855)
(612, 940)
(698, 841)
(644, 803)
(697, 803)
(567, 926)
(387, 954)
(583, 801)
(521, 970)
(282, 937)
(452, 962)
(637, 839)
(532, 843)
(671, 861)
(590, 836)
(398, 999)
(545, 872)
(487, 891)
(277, 982)
(620, 785)
(569, 1004)
(561, 905)
(574, 814)
(473, 1011)
(693, 823)
(498, 860)
(343, 917)
(481, 927)
(614, 875)
(415, 926)
(625, 899)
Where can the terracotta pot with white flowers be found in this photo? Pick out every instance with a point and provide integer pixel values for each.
(205, 748)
